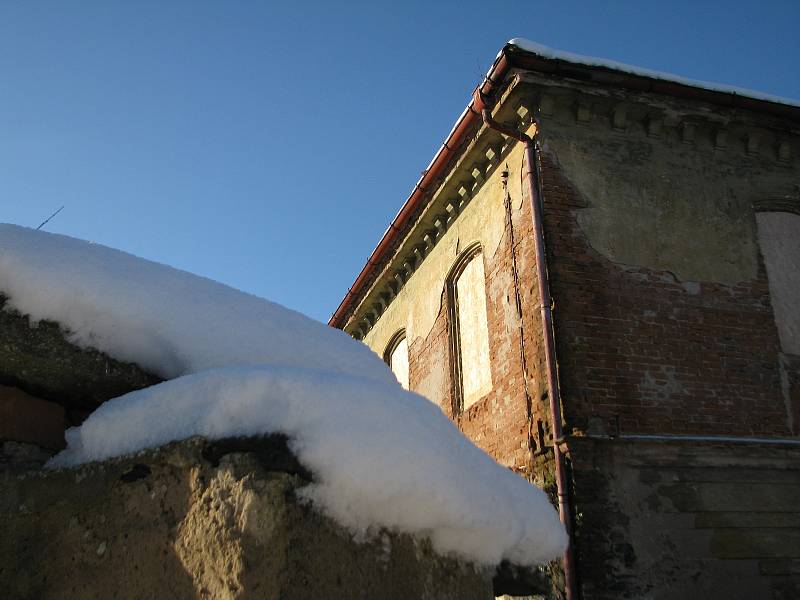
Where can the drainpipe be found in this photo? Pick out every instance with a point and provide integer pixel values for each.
(532, 179)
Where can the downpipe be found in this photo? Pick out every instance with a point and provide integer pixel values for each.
(532, 179)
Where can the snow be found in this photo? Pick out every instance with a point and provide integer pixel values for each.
(578, 59)
(381, 457)
(166, 320)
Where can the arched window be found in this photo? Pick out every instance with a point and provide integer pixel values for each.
(396, 356)
(469, 330)
(779, 238)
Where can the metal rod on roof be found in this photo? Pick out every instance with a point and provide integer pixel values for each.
(43, 223)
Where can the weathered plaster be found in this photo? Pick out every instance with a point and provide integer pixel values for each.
(652, 208)
(662, 203)
(419, 301)
(663, 324)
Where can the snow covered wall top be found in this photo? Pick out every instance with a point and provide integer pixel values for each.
(168, 321)
(591, 61)
(380, 456)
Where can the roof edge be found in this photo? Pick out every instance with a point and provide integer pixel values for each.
(517, 52)
(548, 53)
(443, 157)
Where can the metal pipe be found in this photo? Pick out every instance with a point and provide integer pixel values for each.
(668, 437)
(545, 304)
(510, 57)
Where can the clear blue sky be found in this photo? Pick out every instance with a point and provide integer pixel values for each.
(268, 145)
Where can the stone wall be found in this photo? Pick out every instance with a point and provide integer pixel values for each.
(202, 520)
(670, 520)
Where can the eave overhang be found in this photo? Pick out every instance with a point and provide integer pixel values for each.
(515, 57)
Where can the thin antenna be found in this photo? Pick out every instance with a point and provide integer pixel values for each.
(50, 217)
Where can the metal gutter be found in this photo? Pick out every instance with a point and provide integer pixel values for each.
(513, 56)
(666, 437)
(427, 183)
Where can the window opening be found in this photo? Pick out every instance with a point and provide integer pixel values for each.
(469, 330)
(396, 356)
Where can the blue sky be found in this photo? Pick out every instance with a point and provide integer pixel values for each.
(267, 145)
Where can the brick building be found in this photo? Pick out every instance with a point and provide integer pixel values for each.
(670, 214)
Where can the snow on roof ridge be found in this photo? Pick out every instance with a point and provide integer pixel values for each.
(592, 61)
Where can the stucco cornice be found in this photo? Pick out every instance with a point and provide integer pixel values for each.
(513, 64)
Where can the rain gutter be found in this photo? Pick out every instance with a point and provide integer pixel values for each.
(532, 180)
(427, 183)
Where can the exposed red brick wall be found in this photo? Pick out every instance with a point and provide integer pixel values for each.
(507, 421)
(640, 353)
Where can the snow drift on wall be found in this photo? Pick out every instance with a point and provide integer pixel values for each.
(168, 321)
(381, 456)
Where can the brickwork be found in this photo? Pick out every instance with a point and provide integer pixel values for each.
(506, 422)
(641, 352)
(664, 327)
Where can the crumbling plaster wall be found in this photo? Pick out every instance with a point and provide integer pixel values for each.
(510, 422)
(664, 206)
(663, 315)
(419, 302)
(663, 321)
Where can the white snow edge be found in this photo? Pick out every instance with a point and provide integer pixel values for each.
(381, 457)
(591, 61)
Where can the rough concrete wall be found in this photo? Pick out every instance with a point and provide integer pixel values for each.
(663, 312)
(202, 520)
(39, 359)
(677, 520)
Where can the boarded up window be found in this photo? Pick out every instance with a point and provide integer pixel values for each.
(779, 238)
(396, 357)
(472, 372)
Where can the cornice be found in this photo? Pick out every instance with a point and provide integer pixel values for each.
(695, 124)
